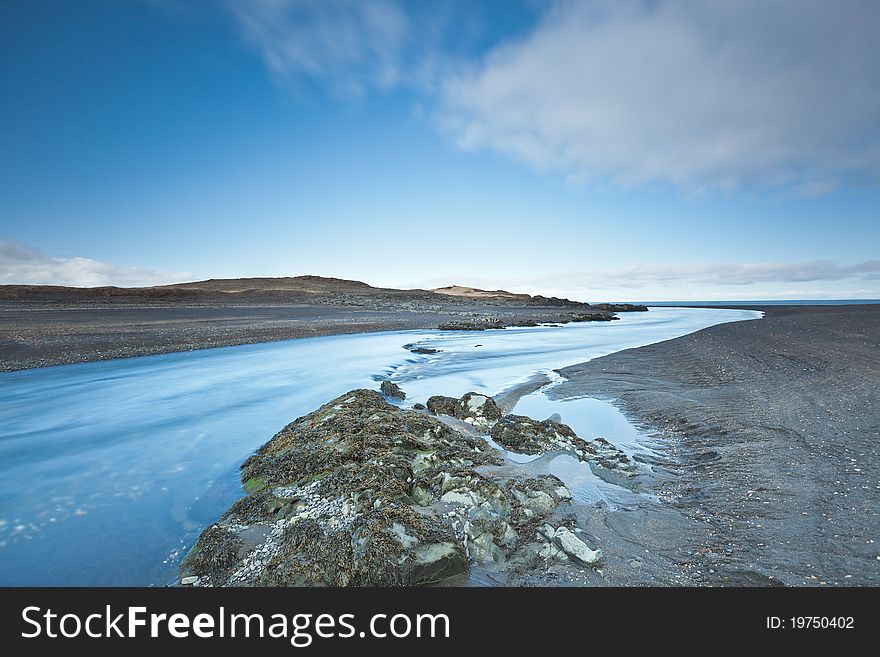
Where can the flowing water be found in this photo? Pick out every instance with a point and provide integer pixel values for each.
(109, 470)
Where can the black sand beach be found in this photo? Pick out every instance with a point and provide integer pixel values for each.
(773, 431)
(44, 336)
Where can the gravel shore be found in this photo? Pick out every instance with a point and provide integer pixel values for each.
(42, 334)
(773, 434)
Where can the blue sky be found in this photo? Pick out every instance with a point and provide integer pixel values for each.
(596, 150)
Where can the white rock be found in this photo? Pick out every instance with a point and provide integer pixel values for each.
(535, 500)
(476, 402)
(575, 547)
(454, 497)
(563, 493)
(547, 532)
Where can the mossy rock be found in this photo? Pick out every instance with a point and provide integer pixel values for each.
(216, 552)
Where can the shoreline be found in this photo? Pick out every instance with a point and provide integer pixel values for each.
(773, 432)
(201, 416)
(46, 335)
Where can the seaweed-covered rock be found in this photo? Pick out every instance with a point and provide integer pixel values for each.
(359, 431)
(218, 550)
(343, 496)
(440, 405)
(392, 390)
(474, 408)
(382, 547)
(477, 409)
(524, 435)
(363, 493)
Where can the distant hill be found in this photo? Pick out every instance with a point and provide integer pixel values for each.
(476, 293)
(308, 284)
(291, 289)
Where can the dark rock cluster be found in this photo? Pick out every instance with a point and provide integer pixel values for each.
(392, 390)
(361, 492)
(485, 323)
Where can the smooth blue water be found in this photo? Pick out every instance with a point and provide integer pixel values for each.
(109, 470)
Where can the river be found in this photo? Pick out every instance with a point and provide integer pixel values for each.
(109, 470)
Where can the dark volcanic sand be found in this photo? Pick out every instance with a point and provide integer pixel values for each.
(36, 334)
(774, 434)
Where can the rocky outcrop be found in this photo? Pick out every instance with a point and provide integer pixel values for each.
(484, 323)
(420, 350)
(524, 435)
(363, 493)
(475, 408)
(440, 405)
(491, 323)
(392, 390)
(620, 307)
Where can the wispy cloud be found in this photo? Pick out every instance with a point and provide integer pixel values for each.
(728, 274)
(714, 95)
(26, 266)
(700, 96)
(354, 46)
(710, 280)
(349, 45)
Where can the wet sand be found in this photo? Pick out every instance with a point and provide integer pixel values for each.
(772, 468)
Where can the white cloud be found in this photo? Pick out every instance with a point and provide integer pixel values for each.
(696, 281)
(730, 274)
(348, 43)
(353, 46)
(698, 95)
(21, 265)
